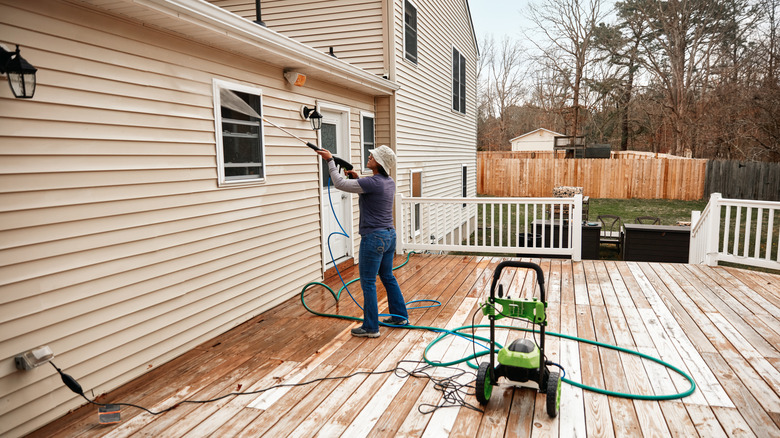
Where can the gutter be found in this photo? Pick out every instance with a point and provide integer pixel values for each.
(297, 55)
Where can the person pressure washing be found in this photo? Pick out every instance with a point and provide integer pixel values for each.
(377, 236)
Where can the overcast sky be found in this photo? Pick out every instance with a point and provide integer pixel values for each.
(499, 18)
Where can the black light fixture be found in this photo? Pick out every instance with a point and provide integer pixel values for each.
(312, 115)
(21, 74)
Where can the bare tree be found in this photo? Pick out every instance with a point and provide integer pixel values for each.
(502, 84)
(621, 44)
(685, 36)
(568, 27)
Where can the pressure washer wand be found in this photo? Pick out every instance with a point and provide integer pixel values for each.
(339, 161)
(232, 101)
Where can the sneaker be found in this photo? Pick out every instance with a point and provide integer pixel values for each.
(362, 333)
(394, 321)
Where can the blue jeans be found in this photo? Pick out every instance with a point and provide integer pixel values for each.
(376, 257)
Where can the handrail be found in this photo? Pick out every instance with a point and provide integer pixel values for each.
(738, 231)
(522, 226)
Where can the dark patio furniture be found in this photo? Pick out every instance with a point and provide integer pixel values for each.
(611, 226)
(648, 220)
(656, 243)
(547, 234)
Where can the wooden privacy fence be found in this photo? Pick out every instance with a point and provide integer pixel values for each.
(624, 176)
(744, 180)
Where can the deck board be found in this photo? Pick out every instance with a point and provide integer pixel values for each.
(721, 325)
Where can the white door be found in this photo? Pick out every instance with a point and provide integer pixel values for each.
(334, 136)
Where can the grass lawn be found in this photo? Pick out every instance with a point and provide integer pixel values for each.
(669, 211)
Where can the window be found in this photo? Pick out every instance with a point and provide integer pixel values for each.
(240, 146)
(366, 136)
(458, 82)
(417, 193)
(410, 32)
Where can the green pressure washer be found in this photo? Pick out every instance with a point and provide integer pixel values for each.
(523, 360)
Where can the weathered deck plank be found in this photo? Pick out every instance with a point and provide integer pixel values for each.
(721, 325)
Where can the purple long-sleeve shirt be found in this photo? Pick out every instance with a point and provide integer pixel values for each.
(375, 198)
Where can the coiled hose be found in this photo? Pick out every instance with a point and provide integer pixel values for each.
(474, 338)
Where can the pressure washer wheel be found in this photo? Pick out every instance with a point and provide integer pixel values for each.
(484, 385)
(553, 394)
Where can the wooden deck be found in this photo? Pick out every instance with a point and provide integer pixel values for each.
(721, 325)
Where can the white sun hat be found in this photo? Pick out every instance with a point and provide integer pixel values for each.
(384, 156)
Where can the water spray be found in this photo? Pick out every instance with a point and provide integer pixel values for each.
(230, 100)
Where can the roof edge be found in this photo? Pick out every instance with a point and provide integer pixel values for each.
(227, 24)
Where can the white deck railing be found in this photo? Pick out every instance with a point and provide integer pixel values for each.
(736, 231)
(490, 225)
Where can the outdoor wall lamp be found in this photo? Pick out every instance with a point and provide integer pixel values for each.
(312, 115)
(21, 74)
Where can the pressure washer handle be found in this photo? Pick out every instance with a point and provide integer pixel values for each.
(342, 163)
(339, 161)
(517, 264)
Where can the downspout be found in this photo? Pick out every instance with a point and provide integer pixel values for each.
(258, 14)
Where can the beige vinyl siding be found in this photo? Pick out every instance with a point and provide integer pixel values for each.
(354, 28)
(384, 134)
(118, 250)
(430, 135)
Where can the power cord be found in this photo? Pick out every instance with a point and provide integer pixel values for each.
(74, 386)
(454, 391)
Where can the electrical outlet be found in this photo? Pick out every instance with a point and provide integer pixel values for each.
(33, 358)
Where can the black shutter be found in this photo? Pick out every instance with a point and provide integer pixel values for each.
(455, 80)
(462, 84)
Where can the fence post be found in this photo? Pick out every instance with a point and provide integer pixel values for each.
(712, 231)
(576, 227)
(399, 224)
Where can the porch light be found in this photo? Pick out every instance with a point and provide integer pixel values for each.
(21, 74)
(312, 115)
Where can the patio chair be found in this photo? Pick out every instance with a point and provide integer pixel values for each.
(651, 220)
(611, 227)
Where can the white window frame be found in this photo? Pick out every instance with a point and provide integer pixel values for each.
(222, 179)
(461, 88)
(416, 59)
(363, 152)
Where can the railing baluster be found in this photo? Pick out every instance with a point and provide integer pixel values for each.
(726, 229)
(517, 223)
(759, 223)
(748, 217)
(736, 229)
(484, 224)
(769, 236)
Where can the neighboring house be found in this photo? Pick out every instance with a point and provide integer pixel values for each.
(537, 140)
(141, 216)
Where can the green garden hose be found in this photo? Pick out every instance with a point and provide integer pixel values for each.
(445, 333)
